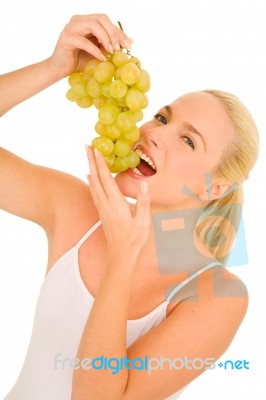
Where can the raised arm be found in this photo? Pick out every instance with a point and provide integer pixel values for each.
(79, 41)
(27, 190)
(25, 83)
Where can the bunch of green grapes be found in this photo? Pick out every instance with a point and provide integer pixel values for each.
(117, 88)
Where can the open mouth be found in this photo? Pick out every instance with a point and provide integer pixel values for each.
(146, 166)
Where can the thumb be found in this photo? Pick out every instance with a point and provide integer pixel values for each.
(143, 205)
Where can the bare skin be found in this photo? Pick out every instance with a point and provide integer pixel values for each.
(65, 207)
(147, 276)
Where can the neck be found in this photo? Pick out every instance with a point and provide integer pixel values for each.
(173, 242)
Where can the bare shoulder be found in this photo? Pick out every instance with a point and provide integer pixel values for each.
(230, 285)
(201, 327)
(217, 283)
(222, 295)
(40, 194)
(74, 214)
(222, 288)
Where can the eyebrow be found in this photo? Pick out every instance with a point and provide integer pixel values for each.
(187, 126)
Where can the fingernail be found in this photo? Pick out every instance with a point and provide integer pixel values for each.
(96, 152)
(102, 57)
(110, 48)
(144, 188)
(127, 44)
(117, 46)
(86, 148)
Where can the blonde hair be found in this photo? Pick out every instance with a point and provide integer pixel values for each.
(220, 219)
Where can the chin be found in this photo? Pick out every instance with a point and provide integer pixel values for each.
(127, 186)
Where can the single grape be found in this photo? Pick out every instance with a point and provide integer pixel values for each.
(143, 84)
(100, 128)
(118, 89)
(106, 89)
(133, 135)
(90, 66)
(99, 102)
(104, 71)
(110, 159)
(122, 103)
(130, 73)
(125, 121)
(85, 102)
(134, 99)
(108, 113)
(85, 76)
(135, 60)
(71, 95)
(133, 159)
(117, 74)
(112, 131)
(94, 88)
(145, 101)
(80, 89)
(119, 59)
(120, 164)
(122, 148)
(74, 78)
(104, 145)
(138, 115)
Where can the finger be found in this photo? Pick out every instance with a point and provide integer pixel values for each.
(92, 161)
(79, 42)
(100, 32)
(110, 186)
(111, 37)
(95, 181)
(117, 36)
(143, 205)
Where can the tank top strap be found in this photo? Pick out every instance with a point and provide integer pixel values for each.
(190, 278)
(87, 234)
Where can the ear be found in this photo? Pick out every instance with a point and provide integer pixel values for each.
(216, 191)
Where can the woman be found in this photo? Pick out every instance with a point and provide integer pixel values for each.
(119, 317)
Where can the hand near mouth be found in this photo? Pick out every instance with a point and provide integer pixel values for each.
(126, 228)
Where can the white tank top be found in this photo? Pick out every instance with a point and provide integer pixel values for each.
(62, 310)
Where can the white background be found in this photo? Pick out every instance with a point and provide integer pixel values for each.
(185, 45)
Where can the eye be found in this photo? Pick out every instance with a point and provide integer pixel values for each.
(189, 142)
(161, 118)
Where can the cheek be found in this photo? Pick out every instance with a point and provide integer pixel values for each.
(187, 171)
(186, 165)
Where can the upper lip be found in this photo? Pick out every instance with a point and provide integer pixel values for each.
(145, 151)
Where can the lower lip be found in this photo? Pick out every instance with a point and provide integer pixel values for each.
(136, 176)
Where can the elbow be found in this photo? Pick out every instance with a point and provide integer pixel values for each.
(77, 395)
(96, 391)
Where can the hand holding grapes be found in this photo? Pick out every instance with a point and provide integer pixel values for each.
(82, 39)
(124, 230)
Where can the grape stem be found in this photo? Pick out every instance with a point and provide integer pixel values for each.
(121, 27)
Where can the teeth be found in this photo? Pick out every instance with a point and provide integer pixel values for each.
(144, 157)
(137, 171)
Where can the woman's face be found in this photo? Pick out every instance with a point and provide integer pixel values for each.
(184, 141)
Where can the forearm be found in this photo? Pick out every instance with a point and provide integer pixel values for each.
(24, 83)
(105, 333)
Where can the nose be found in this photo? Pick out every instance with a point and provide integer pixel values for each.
(150, 135)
